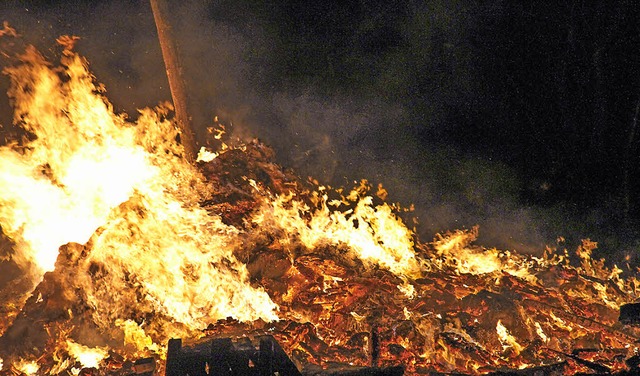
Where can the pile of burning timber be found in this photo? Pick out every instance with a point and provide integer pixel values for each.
(332, 279)
(553, 318)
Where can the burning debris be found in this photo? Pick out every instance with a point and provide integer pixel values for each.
(123, 245)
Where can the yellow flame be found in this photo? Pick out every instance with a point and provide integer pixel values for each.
(408, 290)
(90, 176)
(205, 155)
(27, 367)
(373, 233)
(60, 187)
(454, 250)
(134, 335)
(507, 340)
(89, 357)
(541, 333)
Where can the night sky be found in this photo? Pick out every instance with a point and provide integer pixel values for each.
(518, 118)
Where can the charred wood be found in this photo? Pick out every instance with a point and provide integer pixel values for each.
(222, 357)
(630, 314)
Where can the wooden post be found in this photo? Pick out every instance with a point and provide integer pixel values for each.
(174, 74)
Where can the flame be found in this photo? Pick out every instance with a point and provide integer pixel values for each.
(508, 341)
(205, 155)
(89, 357)
(61, 187)
(27, 367)
(134, 335)
(92, 177)
(541, 333)
(372, 233)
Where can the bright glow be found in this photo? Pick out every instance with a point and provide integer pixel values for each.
(371, 233)
(540, 333)
(89, 357)
(27, 367)
(89, 176)
(84, 162)
(507, 340)
(205, 155)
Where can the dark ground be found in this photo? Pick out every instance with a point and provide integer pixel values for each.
(519, 118)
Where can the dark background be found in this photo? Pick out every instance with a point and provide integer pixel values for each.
(518, 118)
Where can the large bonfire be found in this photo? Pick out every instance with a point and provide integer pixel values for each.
(123, 245)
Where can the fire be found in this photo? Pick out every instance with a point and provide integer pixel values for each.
(92, 177)
(89, 357)
(135, 336)
(541, 333)
(130, 245)
(508, 341)
(454, 251)
(372, 233)
(27, 367)
(83, 162)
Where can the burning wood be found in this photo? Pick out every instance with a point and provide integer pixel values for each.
(138, 246)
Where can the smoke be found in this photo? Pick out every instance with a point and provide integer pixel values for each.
(340, 92)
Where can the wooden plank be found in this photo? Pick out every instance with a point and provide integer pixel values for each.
(161, 13)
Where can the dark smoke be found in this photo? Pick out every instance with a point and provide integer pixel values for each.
(394, 91)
